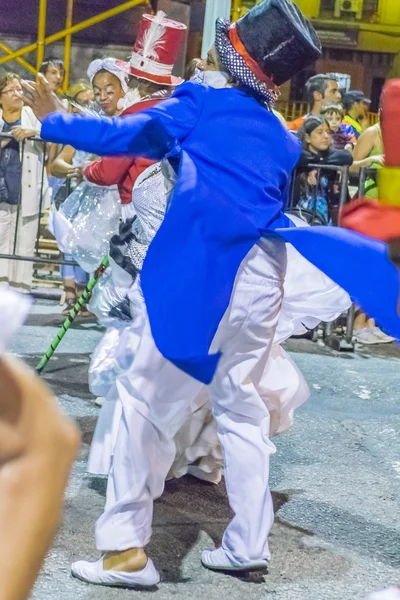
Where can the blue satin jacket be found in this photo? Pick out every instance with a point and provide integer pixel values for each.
(233, 160)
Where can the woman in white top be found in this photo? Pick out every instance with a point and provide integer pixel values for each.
(21, 171)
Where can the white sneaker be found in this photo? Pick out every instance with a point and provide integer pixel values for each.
(93, 572)
(385, 339)
(392, 593)
(366, 336)
(217, 560)
(99, 401)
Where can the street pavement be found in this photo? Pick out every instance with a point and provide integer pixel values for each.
(335, 481)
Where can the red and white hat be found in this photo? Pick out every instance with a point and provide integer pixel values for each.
(156, 49)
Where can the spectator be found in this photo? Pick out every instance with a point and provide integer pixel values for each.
(54, 71)
(369, 152)
(321, 197)
(67, 168)
(356, 107)
(82, 93)
(321, 90)
(21, 164)
(341, 137)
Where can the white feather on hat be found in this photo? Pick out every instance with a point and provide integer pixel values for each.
(153, 37)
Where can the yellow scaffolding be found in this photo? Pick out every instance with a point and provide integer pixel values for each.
(43, 41)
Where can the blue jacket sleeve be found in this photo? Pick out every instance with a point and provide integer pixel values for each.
(151, 133)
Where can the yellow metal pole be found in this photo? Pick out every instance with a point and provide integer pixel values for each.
(236, 9)
(18, 53)
(67, 47)
(83, 25)
(21, 61)
(92, 21)
(41, 33)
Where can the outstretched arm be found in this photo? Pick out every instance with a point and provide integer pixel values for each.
(152, 133)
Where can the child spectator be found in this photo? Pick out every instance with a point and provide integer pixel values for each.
(342, 138)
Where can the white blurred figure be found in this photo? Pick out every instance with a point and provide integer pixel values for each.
(392, 593)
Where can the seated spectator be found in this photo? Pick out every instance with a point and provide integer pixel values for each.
(321, 90)
(319, 195)
(21, 166)
(342, 138)
(356, 107)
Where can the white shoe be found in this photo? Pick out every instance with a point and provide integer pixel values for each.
(217, 560)
(385, 339)
(99, 401)
(93, 572)
(367, 336)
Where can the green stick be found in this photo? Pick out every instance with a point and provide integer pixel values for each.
(82, 300)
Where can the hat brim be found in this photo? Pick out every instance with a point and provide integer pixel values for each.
(169, 81)
(222, 26)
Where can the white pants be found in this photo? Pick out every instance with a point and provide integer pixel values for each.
(155, 395)
(17, 273)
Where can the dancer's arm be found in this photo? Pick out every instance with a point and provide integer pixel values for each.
(152, 133)
(108, 170)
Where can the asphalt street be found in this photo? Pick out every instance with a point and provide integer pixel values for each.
(335, 481)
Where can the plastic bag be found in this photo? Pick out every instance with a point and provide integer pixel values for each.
(109, 302)
(94, 213)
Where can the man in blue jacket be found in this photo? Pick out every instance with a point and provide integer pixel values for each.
(212, 283)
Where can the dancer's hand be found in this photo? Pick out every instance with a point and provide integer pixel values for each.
(41, 99)
(75, 173)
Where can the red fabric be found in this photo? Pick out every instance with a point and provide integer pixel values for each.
(297, 124)
(372, 218)
(391, 122)
(123, 171)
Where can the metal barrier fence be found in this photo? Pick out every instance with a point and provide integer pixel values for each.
(37, 258)
(338, 335)
(330, 334)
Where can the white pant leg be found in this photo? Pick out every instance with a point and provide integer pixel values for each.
(155, 395)
(8, 215)
(242, 416)
(22, 269)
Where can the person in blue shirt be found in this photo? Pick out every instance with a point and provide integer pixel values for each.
(212, 282)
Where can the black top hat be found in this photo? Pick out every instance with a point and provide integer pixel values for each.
(273, 40)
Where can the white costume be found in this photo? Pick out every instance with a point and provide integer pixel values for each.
(281, 386)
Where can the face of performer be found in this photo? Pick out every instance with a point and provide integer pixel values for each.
(108, 91)
(319, 139)
(211, 63)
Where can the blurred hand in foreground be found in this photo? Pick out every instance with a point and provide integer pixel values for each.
(41, 99)
(38, 445)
